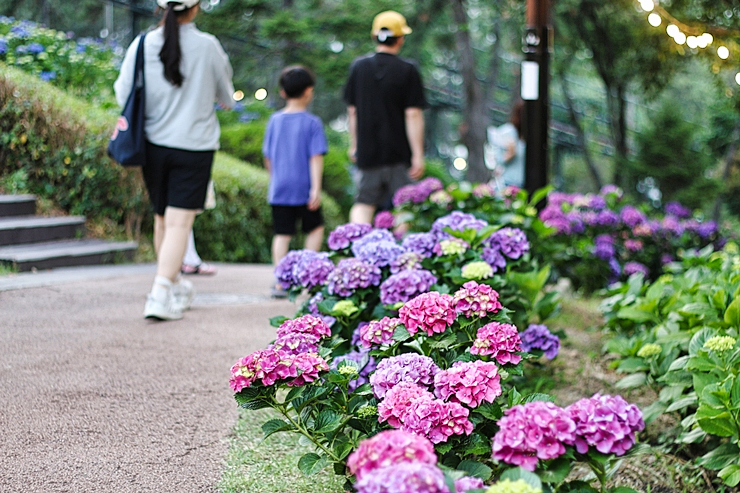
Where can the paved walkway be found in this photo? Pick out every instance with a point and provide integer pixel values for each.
(93, 398)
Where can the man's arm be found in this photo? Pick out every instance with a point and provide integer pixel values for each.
(317, 170)
(415, 135)
(352, 125)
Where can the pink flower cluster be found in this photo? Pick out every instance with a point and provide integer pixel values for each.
(430, 312)
(536, 430)
(409, 367)
(470, 383)
(606, 422)
(476, 300)
(467, 483)
(271, 364)
(412, 408)
(307, 324)
(498, 340)
(406, 477)
(389, 448)
(378, 332)
(298, 342)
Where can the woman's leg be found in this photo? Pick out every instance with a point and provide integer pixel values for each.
(191, 254)
(178, 224)
(158, 232)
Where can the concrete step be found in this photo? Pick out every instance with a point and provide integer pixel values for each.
(17, 205)
(19, 230)
(67, 253)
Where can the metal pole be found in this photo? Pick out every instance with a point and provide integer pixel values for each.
(535, 92)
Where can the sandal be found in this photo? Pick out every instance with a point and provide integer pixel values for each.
(203, 269)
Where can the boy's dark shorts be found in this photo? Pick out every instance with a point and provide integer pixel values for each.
(376, 186)
(284, 219)
(176, 178)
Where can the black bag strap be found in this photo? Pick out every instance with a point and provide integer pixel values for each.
(139, 68)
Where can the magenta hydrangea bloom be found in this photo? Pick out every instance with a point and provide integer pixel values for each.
(467, 483)
(307, 367)
(405, 477)
(430, 312)
(401, 287)
(676, 209)
(271, 364)
(605, 422)
(476, 300)
(384, 220)
(635, 267)
(501, 341)
(298, 342)
(408, 367)
(483, 190)
(284, 270)
(536, 430)
(388, 448)
(631, 216)
(380, 253)
(470, 383)
(307, 323)
(351, 274)
(421, 243)
(311, 271)
(343, 236)
(392, 409)
(406, 261)
(436, 419)
(539, 337)
(378, 332)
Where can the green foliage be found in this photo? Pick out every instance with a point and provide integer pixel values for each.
(239, 229)
(54, 145)
(670, 153)
(244, 141)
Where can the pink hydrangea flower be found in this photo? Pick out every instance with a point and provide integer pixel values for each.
(398, 400)
(498, 340)
(470, 383)
(476, 300)
(467, 483)
(606, 422)
(406, 477)
(409, 367)
(379, 332)
(271, 365)
(431, 312)
(307, 367)
(298, 342)
(384, 219)
(388, 448)
(306, 324)
(536, 430)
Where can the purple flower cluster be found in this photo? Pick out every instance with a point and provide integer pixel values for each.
(539, 337)
(676, 209)
(416, 193)
(468, 483)
(406, 261)
(456, 221)
(500, 341)
(406, 284)
(365, 362)
(405, 477)
(605, 422)
(421, 243)
(380, 253)
(384, 220)
(511, 242)
(390, 448)
(604, 247)
(536, 430)
(631, 217)
(635, 267)
(409, 367)
(476, 300)
(429, 312)
(378, 332)
(469, 383)
(313, 309)
(343, 236)
(374, 236)
(352, 274)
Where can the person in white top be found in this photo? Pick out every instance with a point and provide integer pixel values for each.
(186, 72)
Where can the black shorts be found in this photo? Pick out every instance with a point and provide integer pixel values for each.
(376, 186)
(284, 218)
(176, 178)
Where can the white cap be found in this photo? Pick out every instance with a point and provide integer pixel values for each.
(178, 5)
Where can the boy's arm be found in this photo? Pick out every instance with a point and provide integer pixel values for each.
(317, 170)
(352, 127)
(268, 164)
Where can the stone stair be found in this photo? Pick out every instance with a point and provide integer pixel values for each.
(29, 242)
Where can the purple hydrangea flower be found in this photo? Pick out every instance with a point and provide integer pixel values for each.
(421, 243)
(456, 221)
(483, 190)
(494, 258)
(633, 245)
(607, 423)
(512, 242)
(707, 229)
(3, 46)
(378, 332)
(343, 236)
(631, 216)
(384, 220)
(409, 367)
(596, 202)
(672, 226)
(676, 209)
(373, 236)
(635, 267)
(406, 261)
(380, 253)
(467, 483)
(36, 48)
(611, 190)
(352, 274)
(666, 258)
(404, 477)
(365, 362)
(313, 309)
(48, 76)
(284, 271)
(313, 270)
(539, 337)
(604, 247)
(607, 218)
(406, 284)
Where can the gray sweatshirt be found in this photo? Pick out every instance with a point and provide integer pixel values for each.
(181, 117)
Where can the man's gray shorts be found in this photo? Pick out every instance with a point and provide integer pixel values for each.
(376, 186)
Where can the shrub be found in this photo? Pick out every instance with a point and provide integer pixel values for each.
(239, 229)
(54, 145)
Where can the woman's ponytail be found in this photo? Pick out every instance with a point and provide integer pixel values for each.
(170, 53)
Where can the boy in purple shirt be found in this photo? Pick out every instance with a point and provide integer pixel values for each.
(294, 149)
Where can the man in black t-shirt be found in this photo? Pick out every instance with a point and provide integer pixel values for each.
(385, 99)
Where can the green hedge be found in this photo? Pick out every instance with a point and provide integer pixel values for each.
(239, 229)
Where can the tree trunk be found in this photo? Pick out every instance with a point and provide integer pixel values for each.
(580, 134)
(489, 90)
(473, 131)
(729, 159)
(618, 122)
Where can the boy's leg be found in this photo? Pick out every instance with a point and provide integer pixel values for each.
(315, 239)
(362, 213)
(280, 245)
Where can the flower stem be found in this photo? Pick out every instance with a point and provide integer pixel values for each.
(303, 431)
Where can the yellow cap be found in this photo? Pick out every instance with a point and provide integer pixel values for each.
(393, 22)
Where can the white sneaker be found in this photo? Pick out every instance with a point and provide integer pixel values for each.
(162, 310)
(183, 293)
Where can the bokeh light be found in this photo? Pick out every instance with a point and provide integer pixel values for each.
(723, 52)
(260, 94)
(238, 95)
(460, 164)
(654, 19)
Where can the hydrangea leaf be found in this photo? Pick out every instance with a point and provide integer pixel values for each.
(311, 463)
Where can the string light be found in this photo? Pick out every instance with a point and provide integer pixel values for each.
(680, 38)
(723, 52)
(672, 30)
(647, 5)
(737, 78)
(692, 42)
(654, 19)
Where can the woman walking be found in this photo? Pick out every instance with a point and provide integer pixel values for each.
(186, 72)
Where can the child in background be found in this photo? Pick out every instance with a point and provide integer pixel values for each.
(294, 149)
